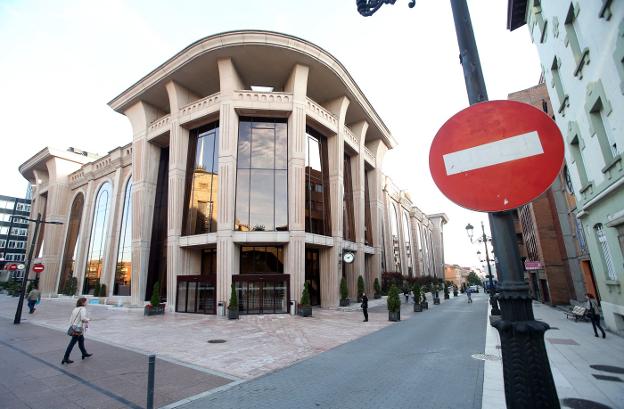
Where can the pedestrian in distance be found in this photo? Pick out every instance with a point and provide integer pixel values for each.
(594, 314)
(364, 306)
(78, 323)
(469, 294)
(406, 294)
(33, 297)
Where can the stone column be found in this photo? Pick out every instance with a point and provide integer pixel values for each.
(227, 251)
(295, 253)
(358, 175)
(376, 183)
(145, 160)
(335, 153)
(177, 258)
(86, 223)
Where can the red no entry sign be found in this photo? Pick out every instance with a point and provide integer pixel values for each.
(496, 156)
(11, 267)
(38, 268)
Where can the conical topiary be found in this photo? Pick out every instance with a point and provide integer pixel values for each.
(394, 302)
(377, 286)
(233, 306)
(155, 300)
(305, 295)
(344, 290)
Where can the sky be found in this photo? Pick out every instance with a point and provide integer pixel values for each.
(62, 61)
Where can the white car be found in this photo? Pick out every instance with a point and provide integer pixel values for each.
(474, 288)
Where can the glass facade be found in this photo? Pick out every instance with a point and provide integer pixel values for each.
(368, 230)
(97, 241)
(123, 268)
(396, 242)
(71, 241)
(262, 287)
(157, 267)
(317, 211)
(407, 235)
(202, 181)
(262, 175)
(348, 223)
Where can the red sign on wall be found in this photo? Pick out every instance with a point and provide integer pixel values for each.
(38, 268)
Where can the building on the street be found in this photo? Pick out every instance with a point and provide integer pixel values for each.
(13, 232)
(581, 47)
(255, 160)
(457, 274)
(556, 260)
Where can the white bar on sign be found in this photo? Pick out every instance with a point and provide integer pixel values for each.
(493, 153)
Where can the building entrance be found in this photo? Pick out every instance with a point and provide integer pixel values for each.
(266, 294)
(313, 275)
(196, 294)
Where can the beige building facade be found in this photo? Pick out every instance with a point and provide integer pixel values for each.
(255, 161)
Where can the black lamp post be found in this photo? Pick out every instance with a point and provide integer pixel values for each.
(529, 382)
(484, 239)
(20, 304)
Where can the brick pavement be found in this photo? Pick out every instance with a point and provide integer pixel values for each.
(31, 374)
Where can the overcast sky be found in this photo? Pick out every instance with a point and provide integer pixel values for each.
(62, 61)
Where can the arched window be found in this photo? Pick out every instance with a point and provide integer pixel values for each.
(407, 236)
(396, 244)
(123, 268)
(69, 254)
(606, 254)
(97, 241)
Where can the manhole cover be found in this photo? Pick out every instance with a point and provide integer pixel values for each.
(575, 403)
(608, 368)
(216, 341)
(486, 357)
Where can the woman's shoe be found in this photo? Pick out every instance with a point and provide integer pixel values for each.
(86, 356)
(67, 361)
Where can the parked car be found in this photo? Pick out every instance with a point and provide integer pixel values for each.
(474, 288)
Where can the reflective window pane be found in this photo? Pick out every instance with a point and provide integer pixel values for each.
(244, 144)
(97, 241)
(241, 221)
(281, 200)
(71, 241)
(281, 146)
(263, 148)
(123, 268)
(261, 212)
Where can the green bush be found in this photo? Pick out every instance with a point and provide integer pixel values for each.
(344, 290)
(233, 306)
(155, 300)
(394, 302)
(96, 290)
(305, 296)
(377, 286)
(360, 286)
(417, 291)
(103, 290)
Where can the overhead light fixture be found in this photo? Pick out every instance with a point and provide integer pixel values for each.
(260, 88)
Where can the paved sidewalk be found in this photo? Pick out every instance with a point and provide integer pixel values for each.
(31, 374)
(572, 351)
(255, 344)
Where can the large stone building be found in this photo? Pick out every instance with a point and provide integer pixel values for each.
(557, 266)
(255, 160)
(581, 47)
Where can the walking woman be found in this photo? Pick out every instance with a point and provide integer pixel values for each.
(365, 306)
(78, 323)
(594, 315)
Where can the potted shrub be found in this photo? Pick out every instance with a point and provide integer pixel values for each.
(344, 293)
(446, 291)
(103, 294)
(377, 289)
(233, 305)
(155, 307)
(417, 300)
(394, 304)
(306, 308)
(360, 286)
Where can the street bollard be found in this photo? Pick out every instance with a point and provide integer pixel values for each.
(150, 381)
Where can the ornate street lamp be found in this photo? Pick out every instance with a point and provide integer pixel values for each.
(529, 382)
(484, 239)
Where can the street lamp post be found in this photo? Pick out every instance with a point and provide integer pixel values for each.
(528, 379)
(493, 302)
(38, 221)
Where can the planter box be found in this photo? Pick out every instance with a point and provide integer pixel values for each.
(149, 310)
(345, 302)
(425, 305)
(306, 311)
(418, 307)
(394, 316)
(446, 296)
(232, 314)
(377, 296)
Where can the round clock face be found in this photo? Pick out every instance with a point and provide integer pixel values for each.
(348, 257)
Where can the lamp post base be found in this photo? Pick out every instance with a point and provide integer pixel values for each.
(494, 304)
(529, 382)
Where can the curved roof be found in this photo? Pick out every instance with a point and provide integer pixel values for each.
(262, 58)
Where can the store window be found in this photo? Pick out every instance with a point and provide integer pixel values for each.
(97, 241)
(123, 268)
(348, 218)
(317, 208)
(606, 253)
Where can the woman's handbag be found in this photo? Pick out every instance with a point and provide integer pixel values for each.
(74, 331)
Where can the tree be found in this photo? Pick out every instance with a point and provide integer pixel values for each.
(377, 287)
(360, 286)
(417, 292)
(233, 306)
(344, 290)
(155, 300)
(394, 302)
(305, 296)
(473, 279)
